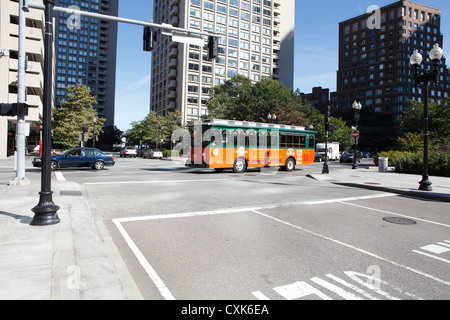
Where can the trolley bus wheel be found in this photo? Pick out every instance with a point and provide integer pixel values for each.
(290, 164)
(239, 165)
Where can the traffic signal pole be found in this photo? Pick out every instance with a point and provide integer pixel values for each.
(20, 152)
(46, 210)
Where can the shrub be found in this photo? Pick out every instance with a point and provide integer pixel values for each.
(412, 162)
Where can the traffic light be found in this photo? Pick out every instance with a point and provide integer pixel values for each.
(13, 109)
(213, 47)
(328, 116)
(328, 125)
(148, 39)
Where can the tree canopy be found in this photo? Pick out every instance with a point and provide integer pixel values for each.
(239, 99)
(438, 123)
(153, 128)
(75, 113)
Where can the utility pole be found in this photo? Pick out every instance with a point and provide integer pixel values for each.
(21, 127)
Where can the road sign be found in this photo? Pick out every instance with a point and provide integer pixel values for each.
(355, 134)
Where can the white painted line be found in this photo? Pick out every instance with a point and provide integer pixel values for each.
(339, 291)
(162, 288)
(444, 244)
(431, 256)
(351, 198)
(355, 248)
(351, 286)
(298, 290)
(260, 296)
(59, 176)
(235, 210)
(397, 214)
(434, 248)
(154, 181)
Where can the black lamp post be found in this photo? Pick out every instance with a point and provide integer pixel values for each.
(46, 210)
(357, 110)
(428, 76)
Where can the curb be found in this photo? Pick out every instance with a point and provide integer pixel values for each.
(417, 194)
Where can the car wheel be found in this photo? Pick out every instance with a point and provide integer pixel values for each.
(53, 165)
(290, 164)
(99, 165)
(240, 165)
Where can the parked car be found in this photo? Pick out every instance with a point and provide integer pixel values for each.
(79, 157)
(151, 154)
(317, 157)
(128, 151)
(347, 156)
(141, 151)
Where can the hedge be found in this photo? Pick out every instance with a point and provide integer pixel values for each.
(412, 162)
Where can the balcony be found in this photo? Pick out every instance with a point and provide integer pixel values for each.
(173, 63)
(172, 74)
(173, 53)
(172, 84)
(172, 95)
(175, 10)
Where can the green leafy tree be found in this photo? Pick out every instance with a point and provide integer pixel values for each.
(439, 121)
(342, 132)
(153, 128)
(75, 113)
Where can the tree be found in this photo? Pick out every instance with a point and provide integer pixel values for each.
(342, 133)
(110, 136)
(239, 99)
(153, 128)
(439, 121)
(75, 113)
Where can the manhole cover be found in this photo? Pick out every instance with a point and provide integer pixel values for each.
(398, 220)
(70, 193)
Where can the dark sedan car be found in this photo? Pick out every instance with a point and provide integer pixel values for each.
(79, 157)
(347, 156)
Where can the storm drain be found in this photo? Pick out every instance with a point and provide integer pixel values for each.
(398, 220)
(70, 193)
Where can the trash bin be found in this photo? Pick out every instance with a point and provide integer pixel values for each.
(383, 164)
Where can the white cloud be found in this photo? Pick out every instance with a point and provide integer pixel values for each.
(136, 84)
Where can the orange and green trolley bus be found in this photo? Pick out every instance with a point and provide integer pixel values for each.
(229, 144)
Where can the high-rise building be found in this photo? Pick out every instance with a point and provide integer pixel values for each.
(374, 68)
(34, 47)
(257, 41)
(86, 53)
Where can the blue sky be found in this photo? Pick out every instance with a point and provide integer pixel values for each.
(316, 49)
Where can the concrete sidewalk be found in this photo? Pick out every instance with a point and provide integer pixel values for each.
(73, 260)
(369, 177)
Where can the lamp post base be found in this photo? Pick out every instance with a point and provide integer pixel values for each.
(45, 211)
(425, 185)
(325, 169)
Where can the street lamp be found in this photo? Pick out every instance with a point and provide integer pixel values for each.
(46, 210)
(272, 117)
(428, 76)
(357, 106)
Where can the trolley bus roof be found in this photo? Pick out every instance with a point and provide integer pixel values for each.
(250, 124)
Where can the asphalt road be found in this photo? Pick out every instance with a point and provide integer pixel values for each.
(197, 234)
